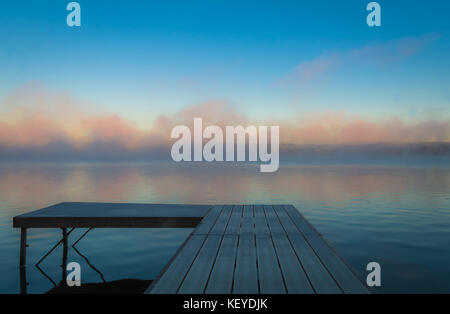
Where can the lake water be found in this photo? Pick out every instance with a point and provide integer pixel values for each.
(398, 216)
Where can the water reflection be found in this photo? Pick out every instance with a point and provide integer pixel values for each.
(398, 216)
(43, 184)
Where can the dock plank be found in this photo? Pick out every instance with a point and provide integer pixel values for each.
(173, 276)
(285, 221)
(269, 273)
(320, 278)
(221, 279)
(261, 227)
(221, 222)
(273, 221)
(245, 276)
(234, 224)
(247, 223)
(318, 275)
(300, 221)
(209, 220)
(197, 276)
(113, 215)
(343, 275)
(294, 275)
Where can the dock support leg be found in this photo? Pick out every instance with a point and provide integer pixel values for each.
(23, 260)
(64, 256)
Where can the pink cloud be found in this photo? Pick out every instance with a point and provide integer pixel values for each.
(340, 128)
(36, 121)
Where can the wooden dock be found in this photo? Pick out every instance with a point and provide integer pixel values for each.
(113, 215)
(239, 249)
(256, 249)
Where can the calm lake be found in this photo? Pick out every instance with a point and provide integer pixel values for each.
(398, 216)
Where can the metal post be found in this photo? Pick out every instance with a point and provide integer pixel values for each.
(64, 256)
(23, 260)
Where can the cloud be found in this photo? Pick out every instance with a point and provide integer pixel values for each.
(308, 70)
(378, 54)
(34, 116)
(38, 122)
(391, 51)
(341, 129)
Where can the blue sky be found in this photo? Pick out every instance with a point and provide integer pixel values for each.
(143, 59)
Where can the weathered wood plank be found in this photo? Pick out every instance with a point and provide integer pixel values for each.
(286, 222)
(343, 275)
(318, 275)
(346, 279)
(222, 221)
(303, 225)
(245, 275)
(197, 276)
(221, 279)
(261, 227)
(269, 273)
(320, 278)
(208, 222)
(294, 276)
(273, 221)
(113, 215)
(247, 223)
(173, 276)
(234, 224)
